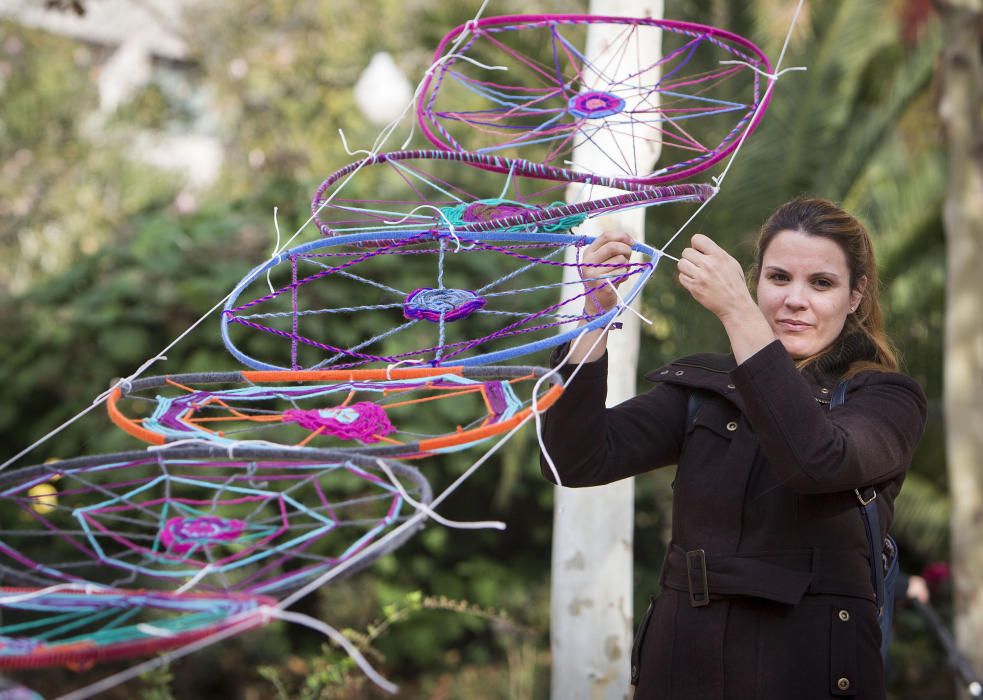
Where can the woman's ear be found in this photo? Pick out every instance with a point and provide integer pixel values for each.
(857, 293)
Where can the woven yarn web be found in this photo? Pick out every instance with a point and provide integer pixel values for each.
(518, 277)
(366, 412)
(696, 100)
(264, 522)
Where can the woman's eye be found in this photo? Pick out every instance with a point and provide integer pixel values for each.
(823, 283)
(778, 277)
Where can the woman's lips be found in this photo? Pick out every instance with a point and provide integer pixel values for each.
(793, 325)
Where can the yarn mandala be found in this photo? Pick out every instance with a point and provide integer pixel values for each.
(262, 522)
(367, 412)
(517, 276)
(692, 100)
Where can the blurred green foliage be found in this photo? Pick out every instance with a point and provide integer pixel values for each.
(109, 260)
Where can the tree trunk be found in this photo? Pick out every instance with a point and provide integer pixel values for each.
(591, 609)
(961, 112)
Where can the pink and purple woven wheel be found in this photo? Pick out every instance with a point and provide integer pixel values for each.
(689, 100)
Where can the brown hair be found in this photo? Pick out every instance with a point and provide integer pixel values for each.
(820, 217)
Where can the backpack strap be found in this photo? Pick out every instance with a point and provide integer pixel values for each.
(867, 501)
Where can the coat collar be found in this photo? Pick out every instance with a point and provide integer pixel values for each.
(706, 372)
(711, 372)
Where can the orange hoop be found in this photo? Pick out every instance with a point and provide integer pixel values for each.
(390, 447)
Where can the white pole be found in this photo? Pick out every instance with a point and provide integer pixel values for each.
(591, 607)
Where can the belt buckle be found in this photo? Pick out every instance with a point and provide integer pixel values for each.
(697, 558)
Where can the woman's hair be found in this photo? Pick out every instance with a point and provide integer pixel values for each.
(820, 217)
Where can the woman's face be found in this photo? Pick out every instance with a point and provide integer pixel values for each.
(804, 291)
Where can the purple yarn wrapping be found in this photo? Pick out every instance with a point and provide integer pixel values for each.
(180, 535)
(483, 211)
(436, 305)
(363, 421)
(496, 398)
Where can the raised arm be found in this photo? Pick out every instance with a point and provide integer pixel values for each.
(592, 445)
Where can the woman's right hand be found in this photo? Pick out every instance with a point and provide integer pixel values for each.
(607, 255)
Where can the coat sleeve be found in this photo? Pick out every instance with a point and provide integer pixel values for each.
(592, 445)
(868, 440)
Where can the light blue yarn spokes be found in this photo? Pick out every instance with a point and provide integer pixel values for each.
(264, 522)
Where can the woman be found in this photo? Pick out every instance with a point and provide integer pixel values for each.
(766, 587)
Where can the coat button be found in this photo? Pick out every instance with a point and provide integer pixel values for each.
(824, 390)
(665, 371)
(634, 671)
(843, 684)
(732, 426)
(731, 386)
(679, 373)
(844, 615)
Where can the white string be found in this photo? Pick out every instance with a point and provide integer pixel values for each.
(230, 447)
(718, 181)
(344, 144)
(433, 515)
(623, 305)
(196, 578)
(102, 397)
(440, 213)
(276, 249)
(390, 368)
(536, 411)
(765, 74)
(87, 588)
(339, 639)
(126, 382)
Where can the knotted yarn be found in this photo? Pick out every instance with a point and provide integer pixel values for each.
(363, 421)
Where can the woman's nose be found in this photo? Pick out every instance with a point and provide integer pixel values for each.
(795, 299)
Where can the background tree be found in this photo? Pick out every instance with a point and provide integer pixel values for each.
(961, 113)
(591, 592)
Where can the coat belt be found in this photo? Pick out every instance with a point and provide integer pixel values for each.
(782, 576)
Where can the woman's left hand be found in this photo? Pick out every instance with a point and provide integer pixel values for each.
(714, 278)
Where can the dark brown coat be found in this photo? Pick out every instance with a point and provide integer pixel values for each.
(764, 488)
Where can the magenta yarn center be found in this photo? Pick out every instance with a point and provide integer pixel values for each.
(363, 421)
(180, 535)
(436, 305)
(595, 104)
